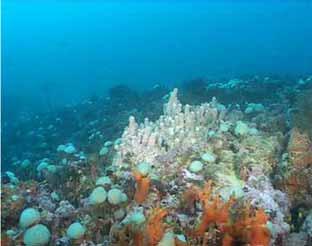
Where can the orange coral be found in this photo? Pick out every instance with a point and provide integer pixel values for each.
(259, 234)
(214, 209)
(227, 240)
(252, 228)
(153, 231)
(249, 228)
(155, 227)
(143, 184)
(138, 239)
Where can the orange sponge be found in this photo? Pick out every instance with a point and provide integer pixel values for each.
(155, 227)
(143, 184)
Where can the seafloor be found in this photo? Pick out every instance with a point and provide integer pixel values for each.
(225, 162)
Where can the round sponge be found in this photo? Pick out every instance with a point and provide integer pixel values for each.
(75, 231)
(98, 196)
(116, 196)
(29, 217)
(196, 166)
(38, 235)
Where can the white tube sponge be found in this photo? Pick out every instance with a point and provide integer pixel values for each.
(178, 127)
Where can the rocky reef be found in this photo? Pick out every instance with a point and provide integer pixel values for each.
(206, 174)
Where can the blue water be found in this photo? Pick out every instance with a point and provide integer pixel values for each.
(62, 51)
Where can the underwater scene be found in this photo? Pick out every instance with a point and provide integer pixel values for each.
(156, 123)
